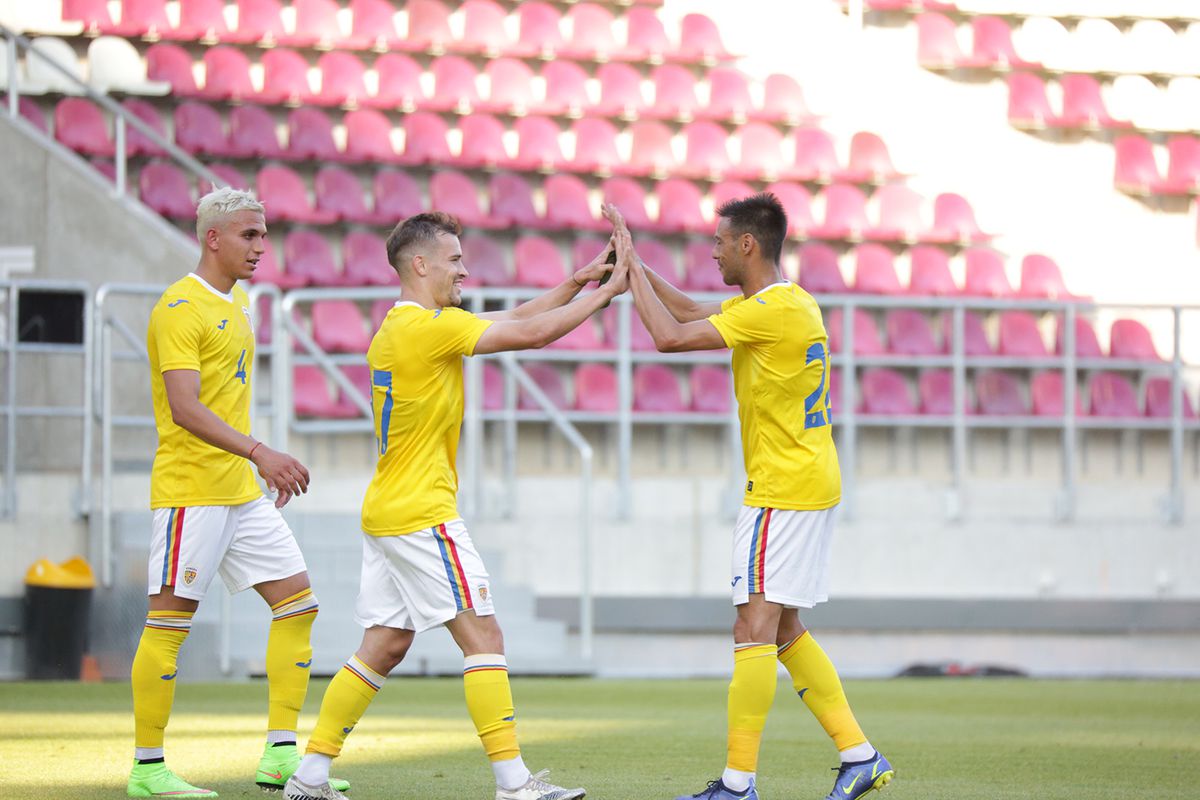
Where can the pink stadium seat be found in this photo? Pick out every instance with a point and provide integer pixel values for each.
(628, 196)
(975, 340)
(1019, 336)
(338, 327)
(342, 80)
(227, 75)
(486, 261)
(646, 39)
(425, 139)
(651, 152)
(549, 380)
(539, 34)
(659, 258)
(372, 26)
(620, 92)
(886, 392)
(453, 85)
(1136, 170)
(399, 82)
(92, 13)
(307, 256)
(511, 83)
(310, 136)
(585, 250)
(32, 112)
(537, 145)
(674, 93)
(869, 162)
(1028, 106)
(937, 42)
(816, 159)
(993, 47)
(639, 338)
(316, 24)
(136, 142)
(566, 89)
(584, 337)
(311, 396)
(171, 63)
(359, 375)
(364, 262)
(142, 18)
(985, 275)
(1158, 399)
(1132, 340)
(711, 389)
(999, 394)
(538, 261)
(1083, 104)
(455, 193)
(1046, 390)
(511, 202)
(930, 273)
(369, 136)
(866, 333)
(285, 78)
(954, 221)
(845, 214)
(483, 29)
(899, 215)
(482, 142)
(268, 271)
(908, 333)
(1183, 167)
(656, 389)
(591, 27)
(819, 270)
(729, 96)
(595, 387)
(875, 270)
(165, 189)
(700, 272)
(231, 176)
(596, 146)
(1041, 278)
(493, 387)
(761, 153)
(783, 101)
(1111, 395)
(725, 191)
(286, 198)
(428, 26)
(679, 207)
(700, 40)
(397, 194)
(339, 192)
(258, 20)
(379, 312)
(936, 390)
(81, 126)
(568, 206)
(1087, 345)
(200, 131)
(797, 202)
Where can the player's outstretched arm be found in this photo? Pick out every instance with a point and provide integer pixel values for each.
(669, 334)
(560, 295)
(281, 472)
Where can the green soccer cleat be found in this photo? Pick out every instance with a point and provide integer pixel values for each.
(277, 765)
(155, 780)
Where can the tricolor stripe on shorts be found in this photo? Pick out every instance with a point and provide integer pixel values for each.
(171, 551)
(756, 570)
(454, 571)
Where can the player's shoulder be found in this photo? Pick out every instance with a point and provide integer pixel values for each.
(180, 299)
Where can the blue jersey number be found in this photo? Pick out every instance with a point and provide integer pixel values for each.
(241, 370)
(383, 379)
(816, 409)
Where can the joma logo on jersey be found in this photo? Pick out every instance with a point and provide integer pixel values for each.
(221, 327)
(178, 302)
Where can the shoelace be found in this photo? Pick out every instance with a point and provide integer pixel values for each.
(537, 781)
(710, 790)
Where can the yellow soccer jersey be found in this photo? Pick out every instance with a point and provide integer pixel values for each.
(417, 396)
(195, 327)
(781, 379)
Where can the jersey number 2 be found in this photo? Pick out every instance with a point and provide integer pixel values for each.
(816, 410)
(383, 379)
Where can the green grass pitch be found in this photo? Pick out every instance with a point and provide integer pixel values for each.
(626, 740)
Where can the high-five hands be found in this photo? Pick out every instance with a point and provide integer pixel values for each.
(599, 266)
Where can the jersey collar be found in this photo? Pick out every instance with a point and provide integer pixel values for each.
(228, 297)
(769, 288)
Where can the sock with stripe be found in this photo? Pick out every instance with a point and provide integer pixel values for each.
(153, 679)
(289, 656)
(346, 699)
(751, 693)
(490, 704)
(816, 680)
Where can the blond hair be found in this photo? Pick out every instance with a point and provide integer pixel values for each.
(218, 204)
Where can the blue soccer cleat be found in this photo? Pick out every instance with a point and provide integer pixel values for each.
(719, 791)
(856, 778)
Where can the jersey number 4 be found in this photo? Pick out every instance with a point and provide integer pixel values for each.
(383, 379)
(241, 370)
(816, 405)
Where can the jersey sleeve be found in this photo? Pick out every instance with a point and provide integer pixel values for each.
(747, 321)
(177, 332)
(454, 332)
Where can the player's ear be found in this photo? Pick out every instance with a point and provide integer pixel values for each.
(212, 238)
(419, 266)
(747, 244)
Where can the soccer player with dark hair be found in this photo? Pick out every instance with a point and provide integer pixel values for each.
(783, 533)
(209, 515)
(420, 569)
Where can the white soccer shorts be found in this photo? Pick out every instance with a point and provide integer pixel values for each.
(783, 555)
(422, 579)
(247, 544)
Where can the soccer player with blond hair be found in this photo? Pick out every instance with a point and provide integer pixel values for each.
(210, 517)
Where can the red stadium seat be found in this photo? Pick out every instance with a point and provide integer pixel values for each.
(761, 153)
(1136, 170)
(1131, 339)
(1041, 277)
(1087, 345)
(428, 26)
(585, 250)
(316, 24)
(674, 93)
(875, 270)
(268, 271)
(537, 145)
(819, 270)
(620, 92)
(399, 82)
(930, 273)
(630, 198)
(486, 261)
(845, 214)
(455, 193)
(92, 13)
(171, 63)
(539, 262)
(482, 142)
(1158, 399)
(1028, 106)
(866, 333)
(651, 152)
(706, 151)
(397, 194)
(936, 390)
(200, 131)
(797, 203)
(136, 142)
(227, 75)
(285, 78)
(591, 27)
(646, 39)
(999, 394)
(310, 136)
(81, 126)
(1019, 336)
(679, 207)
(483, 29)
(511, 87)
(425, 139)
(886, 392)
(1083, 105)
(32, 113)
(729, 96)
(568, 206)
(700, 272)
(1183, 167)
(596, 146)
(954, 221)
(539, 34)
(656, 389)
(369, 137)
(142, 18)
(1046, 390)
(338, 327)
(992, 46)
(726, 191)
(549, 380)
(816, 159)
(985, 275)
(311, 396)
(258, 20)
(231, 176)
(373, 26)
(453, 86)
(283, 192)
(975, 340)
(342, 80)
(700, 40)
(339, 192)
(659, 258)
(639, 338)
(711, 389)
(783, 101)
(511, 202)
(166, 189)
(908, 333)
(566, 89)
(307, 256)
(869, 162)
(1111, 395)
(899, 215)
(595, 387)
(937, 42)
(364, 262)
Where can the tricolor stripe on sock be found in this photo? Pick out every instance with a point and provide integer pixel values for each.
(297, 605)
(756, 570)
(485, 668)
(787, 648)
(171, 551)
(364, 673)
(169, 620)
(454, 570)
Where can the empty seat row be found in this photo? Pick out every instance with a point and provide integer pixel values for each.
(536, 31)
(1137, 170)
(1081, 104)
(113, 65)
(1148, 47)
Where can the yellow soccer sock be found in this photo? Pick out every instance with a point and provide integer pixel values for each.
(289, 656)
(490, 704)
(346, 698)
(817, 681)
(751, 693)
(153, 675)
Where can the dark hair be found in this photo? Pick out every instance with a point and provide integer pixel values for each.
(419, 228)
(762, 216)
